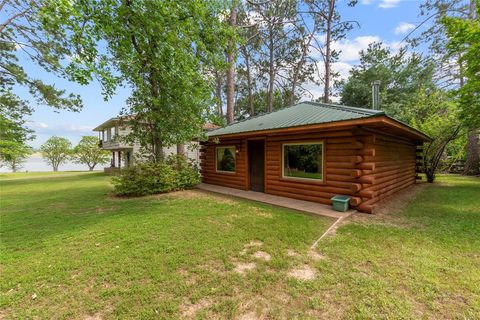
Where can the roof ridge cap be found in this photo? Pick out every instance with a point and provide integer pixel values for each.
(347, 108)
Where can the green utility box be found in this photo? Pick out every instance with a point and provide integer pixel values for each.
(340, 203)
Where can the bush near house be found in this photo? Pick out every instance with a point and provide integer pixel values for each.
(175, 173)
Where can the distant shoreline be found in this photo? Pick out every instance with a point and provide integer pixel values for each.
(35, 163)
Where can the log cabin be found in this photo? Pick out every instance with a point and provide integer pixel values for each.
(314, 151)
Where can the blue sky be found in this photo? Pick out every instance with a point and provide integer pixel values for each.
(380, 20)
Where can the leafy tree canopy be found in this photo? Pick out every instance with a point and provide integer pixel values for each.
(56, 151)
(13, 154)
(162, 50)
(401, 75)
(88, 152)
(464, 41)
(30, 32)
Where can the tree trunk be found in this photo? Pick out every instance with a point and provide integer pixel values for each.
(271, 71)
(180, 149)
(299, 67)
(231, 65)
(158, 150)
(328, 51)
(218, 93)
(249, 83)
(473, 159)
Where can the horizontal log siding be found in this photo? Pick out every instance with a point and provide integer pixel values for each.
(394, 169)
(363, 165)
(235, 180)
(343, 169)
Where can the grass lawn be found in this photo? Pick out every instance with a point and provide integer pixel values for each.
(69, 250)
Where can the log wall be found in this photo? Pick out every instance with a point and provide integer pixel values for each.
(395, 168)
(345, 171)
(207, 164)
(363, 165)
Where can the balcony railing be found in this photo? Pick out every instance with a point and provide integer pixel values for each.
(112, 143)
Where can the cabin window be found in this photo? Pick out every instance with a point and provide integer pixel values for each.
(225, 159)
(303, 160)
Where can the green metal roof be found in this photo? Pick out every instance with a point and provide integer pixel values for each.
(301, 114)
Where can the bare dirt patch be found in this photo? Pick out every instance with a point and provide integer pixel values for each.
(303, 273)
(250, 245)
(254, 243)
(249, 316)
(96, 316)
(242, 268)
(315, 256)
(189, 310)
(262, 256)
(388, 210)
(291, 253)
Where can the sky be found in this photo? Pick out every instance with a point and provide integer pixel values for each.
(380, 20)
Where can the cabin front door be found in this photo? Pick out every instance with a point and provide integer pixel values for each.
(256, 164)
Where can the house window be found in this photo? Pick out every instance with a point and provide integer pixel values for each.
(225, 159)
(303, 160)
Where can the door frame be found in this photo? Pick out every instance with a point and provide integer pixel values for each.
(247, 160)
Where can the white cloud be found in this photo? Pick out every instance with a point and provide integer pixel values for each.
(76, 128)
(387, 4)
(343, 69)
(350, 49)
(37, 125)
(60, 129)
(404, 27)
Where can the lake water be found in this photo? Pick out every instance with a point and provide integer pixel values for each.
(35, 163)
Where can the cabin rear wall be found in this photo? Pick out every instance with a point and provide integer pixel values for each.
(394, 168)
(364, 165)
(235, 180)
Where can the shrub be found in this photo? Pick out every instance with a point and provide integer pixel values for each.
(175, 173)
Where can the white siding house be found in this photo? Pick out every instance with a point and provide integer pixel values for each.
(110, 133)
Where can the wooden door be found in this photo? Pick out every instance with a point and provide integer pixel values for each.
(256, 164)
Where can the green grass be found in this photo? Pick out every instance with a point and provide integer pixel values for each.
(82, 252)
(28, 175)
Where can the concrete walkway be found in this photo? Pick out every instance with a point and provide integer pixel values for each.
(301, 205)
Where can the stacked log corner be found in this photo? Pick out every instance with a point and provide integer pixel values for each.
(363, 165)
(395, 168)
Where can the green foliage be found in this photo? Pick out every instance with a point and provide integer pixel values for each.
(280, 100)
(55, 151)
(27, 31)
(88, 152)
(162, 50)
(13, 154)
(175, 173)
(464, 42)
(401, 76)
(436, 114)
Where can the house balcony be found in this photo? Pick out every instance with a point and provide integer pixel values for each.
(113, 144)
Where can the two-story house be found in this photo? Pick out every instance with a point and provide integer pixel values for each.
(110, 134)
